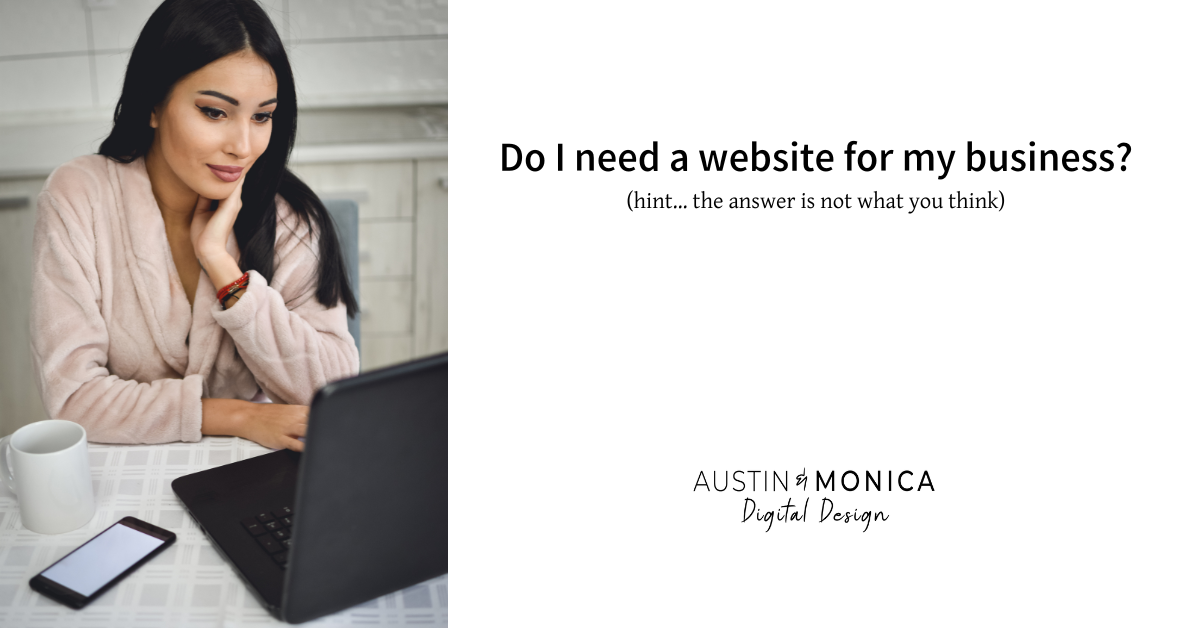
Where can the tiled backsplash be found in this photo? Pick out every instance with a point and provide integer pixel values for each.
(63, 56)
(67, 62)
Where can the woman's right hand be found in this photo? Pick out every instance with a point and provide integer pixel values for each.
(272, 425)
(275, 425)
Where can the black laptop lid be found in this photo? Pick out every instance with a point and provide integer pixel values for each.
(371, 502)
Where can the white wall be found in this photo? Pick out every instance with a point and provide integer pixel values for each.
(372, 83)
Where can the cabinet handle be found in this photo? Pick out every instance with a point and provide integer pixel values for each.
(14, 202)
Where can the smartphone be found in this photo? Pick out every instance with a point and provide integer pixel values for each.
(94, 567)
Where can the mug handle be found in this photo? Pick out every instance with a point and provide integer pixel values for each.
(5, 472)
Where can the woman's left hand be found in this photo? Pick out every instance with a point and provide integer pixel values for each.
(211, 229)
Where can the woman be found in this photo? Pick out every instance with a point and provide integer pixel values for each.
(184, 270)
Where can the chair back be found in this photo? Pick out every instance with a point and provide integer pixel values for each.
(345, 217)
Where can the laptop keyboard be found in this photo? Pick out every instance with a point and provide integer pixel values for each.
(273, 531)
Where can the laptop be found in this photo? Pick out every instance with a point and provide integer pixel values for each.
(360, 514)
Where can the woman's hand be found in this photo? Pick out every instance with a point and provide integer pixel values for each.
(272, 425)
(210, 232)
(276, 425)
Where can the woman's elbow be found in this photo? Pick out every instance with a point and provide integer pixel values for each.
(341, 358)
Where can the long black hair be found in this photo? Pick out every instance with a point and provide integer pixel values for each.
(183, 36)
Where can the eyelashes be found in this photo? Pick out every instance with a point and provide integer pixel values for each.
(213, 113)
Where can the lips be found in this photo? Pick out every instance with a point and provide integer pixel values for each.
(228, 174)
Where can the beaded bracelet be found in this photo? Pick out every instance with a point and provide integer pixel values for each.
(240, 282)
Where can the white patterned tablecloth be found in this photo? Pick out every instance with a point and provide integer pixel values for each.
(189, 584)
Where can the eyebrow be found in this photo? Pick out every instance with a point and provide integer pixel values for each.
(233, 101)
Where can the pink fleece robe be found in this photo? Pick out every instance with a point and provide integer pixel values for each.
(117, 347)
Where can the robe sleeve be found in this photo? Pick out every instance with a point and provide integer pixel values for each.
(292, 343)
(70, 338)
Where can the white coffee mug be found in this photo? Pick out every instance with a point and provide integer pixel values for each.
(46, 465)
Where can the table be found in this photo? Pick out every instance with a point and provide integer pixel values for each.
(189, 584)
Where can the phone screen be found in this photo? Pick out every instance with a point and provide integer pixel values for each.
(101, 559)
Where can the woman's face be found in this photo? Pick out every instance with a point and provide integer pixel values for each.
(216, 122)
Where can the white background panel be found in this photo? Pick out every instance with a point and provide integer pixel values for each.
(1037, 361)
